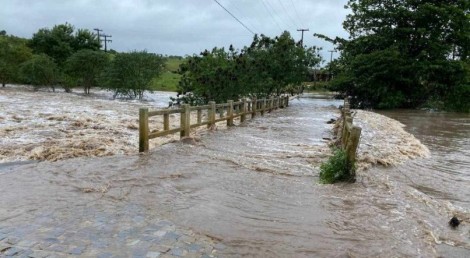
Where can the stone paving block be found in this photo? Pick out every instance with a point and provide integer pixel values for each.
(104, 255)
(220, 246)
(77, 250)
(153, 255)
(11, 251)
(27, 243)
(57, 248)
(178, 252)
(161, 248)
(171, 235)
(13, 240)
(195, 248)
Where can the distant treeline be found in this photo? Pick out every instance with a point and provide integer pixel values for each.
(67, 58)
(269, 66)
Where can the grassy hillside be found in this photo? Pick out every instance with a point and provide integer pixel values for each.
(168, 81)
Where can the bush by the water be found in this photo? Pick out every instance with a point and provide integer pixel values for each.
(337, 168)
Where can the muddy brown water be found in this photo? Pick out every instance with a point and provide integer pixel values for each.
(255, 189)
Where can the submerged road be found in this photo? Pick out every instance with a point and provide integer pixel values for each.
(181, 200)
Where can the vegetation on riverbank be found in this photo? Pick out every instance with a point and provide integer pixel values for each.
(337, 168)
(269, 66)
(405, 54)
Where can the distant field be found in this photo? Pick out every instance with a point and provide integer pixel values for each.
(168, 81)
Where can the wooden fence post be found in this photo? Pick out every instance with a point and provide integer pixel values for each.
(166, 122)
(287, 100)
(243, 115)
(230, 113)
(353, 143)
(185, 121)
(211, 114)
(199, 116)
(143, 130)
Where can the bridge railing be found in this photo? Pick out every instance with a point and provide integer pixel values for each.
(214, 113)
(350, 134)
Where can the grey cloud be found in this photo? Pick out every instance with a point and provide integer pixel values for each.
(178, 26)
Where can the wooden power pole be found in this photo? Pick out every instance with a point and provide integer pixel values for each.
(302, 40)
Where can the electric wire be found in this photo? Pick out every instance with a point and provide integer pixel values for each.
(270, 13)
(297, 13)
(288, 15)
(248, 20)
(234, 17)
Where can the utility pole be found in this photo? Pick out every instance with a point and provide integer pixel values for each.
(302, 40)
(106, 40)
(331, 60)
(98, 34)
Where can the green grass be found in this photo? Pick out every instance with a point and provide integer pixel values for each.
(172, 64)
(337, 168)
(168, 80)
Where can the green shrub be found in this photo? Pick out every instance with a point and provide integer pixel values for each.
(337, 168)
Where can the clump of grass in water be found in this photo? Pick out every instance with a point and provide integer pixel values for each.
(337, 168)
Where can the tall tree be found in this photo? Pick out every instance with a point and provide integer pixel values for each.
(86, 66)
(13, 51)
(40, 70)
(129, 74)
(269, 66)
(62, 41)
(403, 53)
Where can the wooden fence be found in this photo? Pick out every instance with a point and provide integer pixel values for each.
(350, 134)
(226, 111)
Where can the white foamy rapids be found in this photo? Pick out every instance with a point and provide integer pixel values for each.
(384, 141)
(47, 125)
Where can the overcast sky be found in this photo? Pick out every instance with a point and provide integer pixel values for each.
(179, 27)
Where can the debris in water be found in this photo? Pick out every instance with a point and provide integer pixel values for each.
(331, 121)
(454, 222)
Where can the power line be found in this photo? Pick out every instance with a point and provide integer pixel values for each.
(234, 17)
(272, 16)
(296, 12)
(280, 17)
(288, 15)
(248, 20)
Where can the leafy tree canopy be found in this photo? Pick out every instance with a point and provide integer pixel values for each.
(62, 41)
(404, 53)
(130, 74)
(13, 51)
(40, 70)
(86, 66)
(269, 66)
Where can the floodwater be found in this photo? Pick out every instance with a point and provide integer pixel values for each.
(254, 188)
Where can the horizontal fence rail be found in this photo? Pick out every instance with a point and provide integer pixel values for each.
(214, 113)
(350, 134)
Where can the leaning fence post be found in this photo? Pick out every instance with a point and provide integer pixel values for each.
(211, 114)
(185, 121)
(243, 115)
(230, 113)
(143, 130)
(353, 143)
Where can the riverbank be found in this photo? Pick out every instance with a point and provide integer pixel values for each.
(384, 141)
